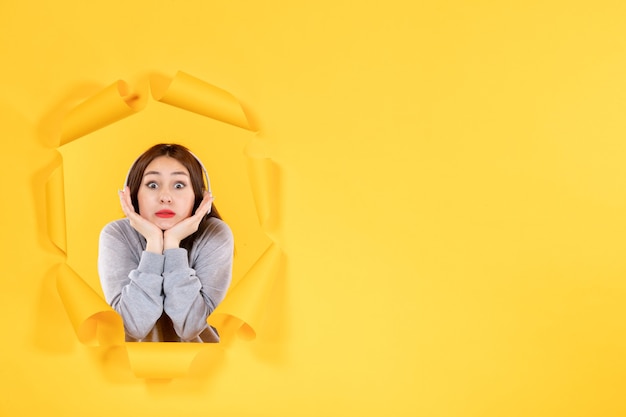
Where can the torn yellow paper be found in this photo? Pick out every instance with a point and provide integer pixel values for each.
(197, 96)
(55, 208)
(243, 308)
(114, 103)
(95, 322)
(263, 176)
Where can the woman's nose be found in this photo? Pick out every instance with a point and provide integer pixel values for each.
(165, 198)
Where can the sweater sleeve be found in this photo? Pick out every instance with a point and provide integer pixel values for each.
(191, 294)
(131, 280)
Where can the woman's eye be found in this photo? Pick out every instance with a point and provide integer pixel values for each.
(151, 185)
(179, 185)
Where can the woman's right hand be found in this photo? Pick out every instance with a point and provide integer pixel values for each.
(149, 230)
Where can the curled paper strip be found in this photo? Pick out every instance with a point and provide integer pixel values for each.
(197, 96)
(94, 321)
(114, 103)
(264, 181)
(55, 214)
(241, 312)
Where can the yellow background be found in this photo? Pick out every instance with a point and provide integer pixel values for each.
(452, 204)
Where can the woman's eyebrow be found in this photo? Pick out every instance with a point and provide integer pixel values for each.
(158, 173)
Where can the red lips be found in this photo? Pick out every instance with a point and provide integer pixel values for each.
(165, 214)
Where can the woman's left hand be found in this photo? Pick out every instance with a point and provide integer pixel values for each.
(173, 236)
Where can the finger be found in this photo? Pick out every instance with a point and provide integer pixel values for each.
(126, 202)
(199, 214)
(123, 204)
(206, 196)
(205, 206)
(206, 200)
(129, 202)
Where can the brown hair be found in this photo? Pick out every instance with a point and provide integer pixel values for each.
(196, 175)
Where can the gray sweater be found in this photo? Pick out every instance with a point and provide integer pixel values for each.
(165, 297)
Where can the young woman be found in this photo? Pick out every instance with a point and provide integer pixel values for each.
(167, 265)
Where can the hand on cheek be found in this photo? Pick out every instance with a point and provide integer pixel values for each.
(173, 236)
(150, 231)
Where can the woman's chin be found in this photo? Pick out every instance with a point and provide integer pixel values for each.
(165, 224)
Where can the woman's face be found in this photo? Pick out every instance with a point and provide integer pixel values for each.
(165, 195)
